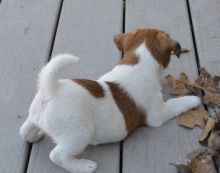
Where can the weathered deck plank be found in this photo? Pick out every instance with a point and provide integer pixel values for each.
(207, 35)
(206, 23)
(26, 30)
(151, 150)
(85, 29)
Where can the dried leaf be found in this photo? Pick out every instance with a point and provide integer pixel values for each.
(178, 86)
(207, 131)
(211, 99)
(214, 140)
(203, 163)
(207, 81)
(217, 125)
(182, 168)
(193, 117)
(183, 86)
(207, 157)
(195, 153)
(216, 159)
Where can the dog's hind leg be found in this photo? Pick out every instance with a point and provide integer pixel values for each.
(64, 156)
(30, 132)
(71, 143)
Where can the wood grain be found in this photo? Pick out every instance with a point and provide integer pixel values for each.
(152, 149)
(206, 24)
(26, 30)
(85, 29)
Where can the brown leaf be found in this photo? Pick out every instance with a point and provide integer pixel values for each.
(178, 86)
(195, 153)
(211, 99)
(193, 117)
(183, 86)
(216, 159)
(209, 154)
(203, 163)
(207, 81)
(182, 168)
(217, 124)
(214, 140)
(207, 131)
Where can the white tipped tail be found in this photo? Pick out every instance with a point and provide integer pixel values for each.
(49, 74)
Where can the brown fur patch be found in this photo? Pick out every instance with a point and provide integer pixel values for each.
(133, 115)
(93, 87)
(158, 43)
(129, 59)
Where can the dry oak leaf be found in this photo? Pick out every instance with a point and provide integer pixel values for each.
(195, 153)
(182, 168)
(207, 81)
(178, 86)
(192, 118)
(214, 140)
(205, 153)
(203, 163)
(209, 98)
(207, 131)
(217, 124)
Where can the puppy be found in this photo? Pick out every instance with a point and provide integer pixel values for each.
(79, 112)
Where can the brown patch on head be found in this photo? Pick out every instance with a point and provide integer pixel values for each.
(93, 87)
(133, 115)
(158, 43)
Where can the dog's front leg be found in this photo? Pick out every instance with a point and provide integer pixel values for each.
(170, 109)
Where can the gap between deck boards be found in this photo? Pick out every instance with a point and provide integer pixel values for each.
(193, 35)
(123, 31)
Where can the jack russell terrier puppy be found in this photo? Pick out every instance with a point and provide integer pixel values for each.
(79, 112)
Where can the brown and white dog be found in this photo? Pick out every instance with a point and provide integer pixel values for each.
(77, 113)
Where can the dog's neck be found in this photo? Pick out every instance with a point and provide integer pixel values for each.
(146, 67)
(135, 78)
(147, 62)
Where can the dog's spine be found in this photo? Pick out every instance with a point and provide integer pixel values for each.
(48, 77)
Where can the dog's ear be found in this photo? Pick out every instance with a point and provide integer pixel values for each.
(167, 45)
(119, 41)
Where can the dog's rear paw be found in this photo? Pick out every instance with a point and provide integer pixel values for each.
(89, 166)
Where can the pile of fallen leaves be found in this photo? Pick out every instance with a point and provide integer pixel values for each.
(205, 83)
(206, 159)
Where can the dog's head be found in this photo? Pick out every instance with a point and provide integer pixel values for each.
(157, 42)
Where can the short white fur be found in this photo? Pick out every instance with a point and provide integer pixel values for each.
(73, 118)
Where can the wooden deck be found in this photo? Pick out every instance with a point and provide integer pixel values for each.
(31, 31)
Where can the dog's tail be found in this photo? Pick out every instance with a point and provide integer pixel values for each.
(48, 77)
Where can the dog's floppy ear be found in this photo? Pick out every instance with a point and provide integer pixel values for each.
(167, 45)
(119, 40)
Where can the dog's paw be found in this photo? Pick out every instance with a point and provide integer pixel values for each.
(189, 102)
(194, 101)
(88, 166)
(183, 104)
